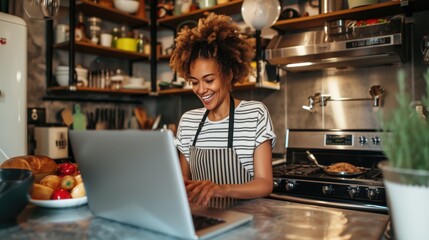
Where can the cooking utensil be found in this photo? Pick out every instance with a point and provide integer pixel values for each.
(141, 116)
(67, 117)
(325, 169)
(41, 9)
(156, 122)
(79, 119)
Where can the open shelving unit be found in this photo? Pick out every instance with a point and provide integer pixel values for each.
(364, 12)
(171, 22)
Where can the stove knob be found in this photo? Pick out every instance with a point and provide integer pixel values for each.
(353, 192)
(276, 183)
(372, 193)
(327, 189)
(375, 140)
(290, 185)
(362, 140)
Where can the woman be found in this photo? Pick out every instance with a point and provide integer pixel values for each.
(225, 148)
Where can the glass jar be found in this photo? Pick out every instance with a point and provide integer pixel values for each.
(115, 37)
(62, 33)
(140, 43)
(94, 29)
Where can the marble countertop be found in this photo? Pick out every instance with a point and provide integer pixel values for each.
(273, 219)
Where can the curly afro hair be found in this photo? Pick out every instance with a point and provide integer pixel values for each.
(216, 37)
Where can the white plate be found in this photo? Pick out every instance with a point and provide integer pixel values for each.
(62, 203)
(131, 86)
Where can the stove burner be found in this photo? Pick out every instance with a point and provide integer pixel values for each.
(298, 178)
(303, 170)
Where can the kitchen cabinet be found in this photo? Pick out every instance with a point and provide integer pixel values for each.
(74, 92)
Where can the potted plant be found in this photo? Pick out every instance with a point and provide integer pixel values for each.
(406, 173)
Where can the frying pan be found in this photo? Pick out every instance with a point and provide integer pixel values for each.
(335, 173)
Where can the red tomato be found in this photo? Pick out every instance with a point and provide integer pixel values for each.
(60, 194)
(371, 21)
(66, 169)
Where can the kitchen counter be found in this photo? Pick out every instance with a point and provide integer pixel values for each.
(273, 219)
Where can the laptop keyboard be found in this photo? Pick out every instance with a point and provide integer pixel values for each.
(201, 222)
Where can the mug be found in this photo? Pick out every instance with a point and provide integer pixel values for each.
(106, 39)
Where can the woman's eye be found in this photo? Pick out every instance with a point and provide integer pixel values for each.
(209, 81)
(194, 83)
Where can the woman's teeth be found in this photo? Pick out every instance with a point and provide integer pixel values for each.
(207, 98)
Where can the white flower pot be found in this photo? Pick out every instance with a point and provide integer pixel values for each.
(408, 201)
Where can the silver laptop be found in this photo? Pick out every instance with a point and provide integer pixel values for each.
(134, 177)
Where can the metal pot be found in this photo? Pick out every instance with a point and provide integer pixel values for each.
(337, 27)
(326, 170)
(327, 6)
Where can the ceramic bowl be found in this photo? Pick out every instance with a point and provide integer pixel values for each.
(129, 6)
(15, 188)
(127, 44)
(62, 79)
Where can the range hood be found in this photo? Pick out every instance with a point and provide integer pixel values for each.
(315, 50)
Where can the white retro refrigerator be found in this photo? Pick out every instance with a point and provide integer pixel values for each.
(13, 86)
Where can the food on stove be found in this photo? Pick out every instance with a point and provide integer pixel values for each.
(41, 192)
(52, 181)
(66, 169)
(78, 191)
(60, 194)
(68, 182)
(343, 167)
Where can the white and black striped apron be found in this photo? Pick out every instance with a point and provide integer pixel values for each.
(219, 165)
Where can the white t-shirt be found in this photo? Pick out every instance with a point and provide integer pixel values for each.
(252, 126)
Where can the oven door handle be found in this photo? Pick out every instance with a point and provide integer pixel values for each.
(359, 207)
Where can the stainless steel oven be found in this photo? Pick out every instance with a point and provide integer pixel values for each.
(296, 178)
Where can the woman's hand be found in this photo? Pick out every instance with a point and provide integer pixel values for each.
(200, 192)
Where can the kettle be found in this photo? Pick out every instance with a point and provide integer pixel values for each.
(41, 9)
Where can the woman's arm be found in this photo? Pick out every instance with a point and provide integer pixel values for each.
(184, 165)
(261, 186)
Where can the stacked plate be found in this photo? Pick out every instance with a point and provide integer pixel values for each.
(62, 76)
(135, 83)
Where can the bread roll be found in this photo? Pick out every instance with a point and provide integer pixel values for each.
(38, 164)
(78, 191)
(52, 181)
(41, 192)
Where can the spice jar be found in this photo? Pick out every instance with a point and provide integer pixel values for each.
(94, 29)
(140, 43)
(115, 37)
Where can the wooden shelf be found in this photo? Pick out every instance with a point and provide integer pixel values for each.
(99, 90)
(229, 8)
(90, 48)
(237, 87)
(164, 58)
(86, 94)
(365, 12)
(112, 14)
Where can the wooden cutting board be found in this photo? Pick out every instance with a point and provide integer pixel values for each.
(79, 119)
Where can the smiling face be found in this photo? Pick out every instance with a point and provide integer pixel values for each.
(208, 84)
